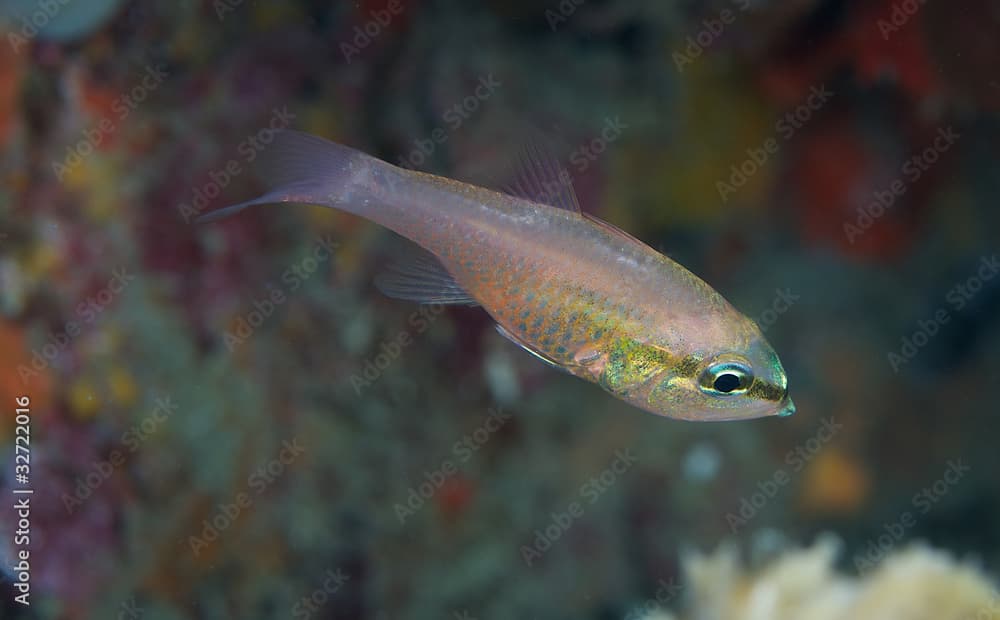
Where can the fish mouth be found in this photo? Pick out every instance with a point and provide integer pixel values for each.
(787, 410)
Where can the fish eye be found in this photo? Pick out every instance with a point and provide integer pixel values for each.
(727, 378)
(726, 382)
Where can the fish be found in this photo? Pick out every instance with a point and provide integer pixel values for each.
(576, 292)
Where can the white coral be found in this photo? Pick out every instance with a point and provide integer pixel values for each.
(914, 584)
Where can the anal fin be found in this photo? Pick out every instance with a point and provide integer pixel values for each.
(419, 276)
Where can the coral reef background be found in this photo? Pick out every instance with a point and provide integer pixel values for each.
(229, 421)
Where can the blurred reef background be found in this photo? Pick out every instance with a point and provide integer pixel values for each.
(229, 421)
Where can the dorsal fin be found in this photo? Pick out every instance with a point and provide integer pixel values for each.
(539, 177)
(417, 275)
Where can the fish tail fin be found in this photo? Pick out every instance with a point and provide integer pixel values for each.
(305, 169)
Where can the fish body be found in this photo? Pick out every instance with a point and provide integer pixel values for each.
(576, 292)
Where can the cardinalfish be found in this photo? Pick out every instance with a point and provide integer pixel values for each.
(576, 292)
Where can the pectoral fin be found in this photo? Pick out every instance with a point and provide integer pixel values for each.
(419, 276)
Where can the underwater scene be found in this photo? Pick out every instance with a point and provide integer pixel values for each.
(497, 309)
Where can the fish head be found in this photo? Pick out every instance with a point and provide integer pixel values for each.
(730, 377)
